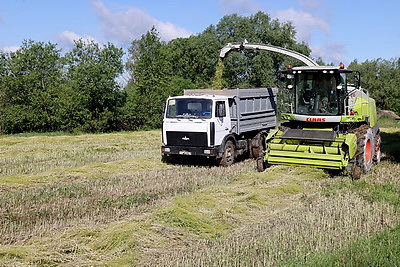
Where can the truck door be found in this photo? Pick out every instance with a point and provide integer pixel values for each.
(223, 121)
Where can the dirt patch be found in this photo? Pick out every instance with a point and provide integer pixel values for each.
(389, 114)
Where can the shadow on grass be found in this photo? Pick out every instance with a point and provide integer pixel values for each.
(196, 161)
(391, 146)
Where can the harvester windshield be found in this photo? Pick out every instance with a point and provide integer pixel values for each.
(316, 93)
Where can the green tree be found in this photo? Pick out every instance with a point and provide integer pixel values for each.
(3, 99)
(93, 96)
(30, 78)
(382, 79)
(152, 81)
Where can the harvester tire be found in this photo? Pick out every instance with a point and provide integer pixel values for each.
(229, 155)
(257, 146)
(365, 151)
(378, 154)
(261, 165)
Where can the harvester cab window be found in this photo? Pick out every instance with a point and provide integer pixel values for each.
(316, 93)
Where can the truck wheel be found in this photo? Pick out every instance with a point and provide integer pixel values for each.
(170, 159)
(365, 151)
(229, 155)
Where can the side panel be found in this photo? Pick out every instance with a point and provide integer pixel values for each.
(256, 110)
(372, 112)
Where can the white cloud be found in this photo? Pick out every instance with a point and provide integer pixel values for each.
(239, 6)
(330, 53)
(124, 27)
(68, 38)
(304, 23)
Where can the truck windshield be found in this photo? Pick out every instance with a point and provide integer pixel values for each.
(316, 93)
(189, 108)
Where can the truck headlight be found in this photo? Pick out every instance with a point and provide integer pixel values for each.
(208, 151)
(167, 149)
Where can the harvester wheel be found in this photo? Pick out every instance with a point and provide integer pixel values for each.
(377, 156)
(229, 155)
(258, 144)
(365, 151)
(261, 165)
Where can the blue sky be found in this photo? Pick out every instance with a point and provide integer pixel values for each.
(337, 31)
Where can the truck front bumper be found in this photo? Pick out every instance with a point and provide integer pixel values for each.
(190, 151)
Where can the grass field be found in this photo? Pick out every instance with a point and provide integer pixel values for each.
(108, 200)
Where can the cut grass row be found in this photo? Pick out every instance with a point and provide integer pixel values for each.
(35, 211)
(275, 217)
(296, 227)
(26, 157)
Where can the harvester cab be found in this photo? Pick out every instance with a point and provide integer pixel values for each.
(327, 121)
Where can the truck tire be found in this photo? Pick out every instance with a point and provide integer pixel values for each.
(229, 155)
(365, 151)
(170, 159)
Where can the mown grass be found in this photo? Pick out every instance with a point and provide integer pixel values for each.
(295, 231)
(46, 158)
(121, 206)
(381, 249)
(34, 211)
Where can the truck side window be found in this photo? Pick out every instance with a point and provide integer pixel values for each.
(220, 110)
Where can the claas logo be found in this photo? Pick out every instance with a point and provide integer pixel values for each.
(316, 119)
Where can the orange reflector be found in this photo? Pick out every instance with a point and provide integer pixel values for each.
(341, 66)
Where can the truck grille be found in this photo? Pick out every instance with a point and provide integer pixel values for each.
(186, 139)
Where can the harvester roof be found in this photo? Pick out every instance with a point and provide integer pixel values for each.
(318, 68)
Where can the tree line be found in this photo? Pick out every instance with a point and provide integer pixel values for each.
(43, 89)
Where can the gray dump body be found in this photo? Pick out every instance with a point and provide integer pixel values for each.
(250, 109)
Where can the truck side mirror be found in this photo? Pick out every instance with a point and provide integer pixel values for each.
(163, 107)
(220, 109)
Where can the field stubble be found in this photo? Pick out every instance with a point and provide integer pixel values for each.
(108, 199)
